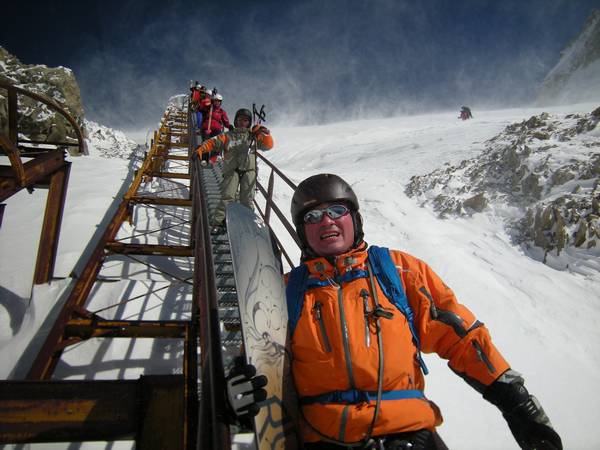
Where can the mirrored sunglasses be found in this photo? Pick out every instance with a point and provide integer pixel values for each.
(333, 211)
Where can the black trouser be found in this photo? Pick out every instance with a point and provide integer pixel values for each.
(414, 440)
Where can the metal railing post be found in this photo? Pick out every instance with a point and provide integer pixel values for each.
(269, 197)
(55, 202)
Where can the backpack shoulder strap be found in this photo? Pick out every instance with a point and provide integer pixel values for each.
(294, 293)
(391, 284)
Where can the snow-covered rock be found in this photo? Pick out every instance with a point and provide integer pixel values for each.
(542, 176)
(108, 142)
(39, 122)
(36, 120)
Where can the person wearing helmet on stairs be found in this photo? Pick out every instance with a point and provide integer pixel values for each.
(239, 164)
(362, 315)
(199, 103)
(215, 120)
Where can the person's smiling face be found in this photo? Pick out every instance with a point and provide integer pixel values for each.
(329, 237)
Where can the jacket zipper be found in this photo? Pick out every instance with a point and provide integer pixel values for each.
(367, 314)
(345, 338)
(324, 337)
(483, 357)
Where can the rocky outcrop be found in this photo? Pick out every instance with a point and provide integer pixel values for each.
(541, 175)
(109, 143)
(36, 120)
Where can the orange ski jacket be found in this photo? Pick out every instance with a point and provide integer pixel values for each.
(235, 145)
(336, 356)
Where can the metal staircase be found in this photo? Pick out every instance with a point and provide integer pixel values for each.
(146, 268)
(184, 407)
(227, 300)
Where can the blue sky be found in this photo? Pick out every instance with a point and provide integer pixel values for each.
(315, 61)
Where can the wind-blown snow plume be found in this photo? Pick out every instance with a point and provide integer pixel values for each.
(576, 77)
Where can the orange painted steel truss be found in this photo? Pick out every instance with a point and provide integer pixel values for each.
(156, 411)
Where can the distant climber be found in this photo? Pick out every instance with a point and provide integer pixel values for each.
(465, 113)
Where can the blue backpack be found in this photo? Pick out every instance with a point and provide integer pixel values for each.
(387, 276)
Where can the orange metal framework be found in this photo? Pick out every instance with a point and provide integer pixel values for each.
(157, 411)
(47, 169)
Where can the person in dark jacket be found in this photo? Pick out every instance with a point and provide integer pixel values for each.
(465, 113)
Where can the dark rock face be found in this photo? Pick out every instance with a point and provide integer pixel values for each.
(36, 120)
(541, 175)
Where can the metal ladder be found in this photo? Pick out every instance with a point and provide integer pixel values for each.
(227, 299)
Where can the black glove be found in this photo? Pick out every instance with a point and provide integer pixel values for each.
(244, 391)
(526, 419)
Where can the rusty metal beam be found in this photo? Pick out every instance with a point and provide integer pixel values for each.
(59, 144)
(149, 410)
(178, 157)
(183, 176)
(12, 152)
(161, 201)
(52, 103)
(163, 425)
(89, 328)
(48, 244)
(158, 413)
(13, 133)
(67, 411)
(33, 171)
(149, 249)
(49, 354)
(143, 171)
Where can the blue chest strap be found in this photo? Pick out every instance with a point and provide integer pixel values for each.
(390, 283)
(355, 396)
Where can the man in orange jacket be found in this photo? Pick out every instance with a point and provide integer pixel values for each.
(338, 333)
(356, 361)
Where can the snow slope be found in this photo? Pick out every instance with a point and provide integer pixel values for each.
(543, 320)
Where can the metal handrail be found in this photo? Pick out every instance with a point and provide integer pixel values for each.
(214, 432)
(272, 206)
(274, 168)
